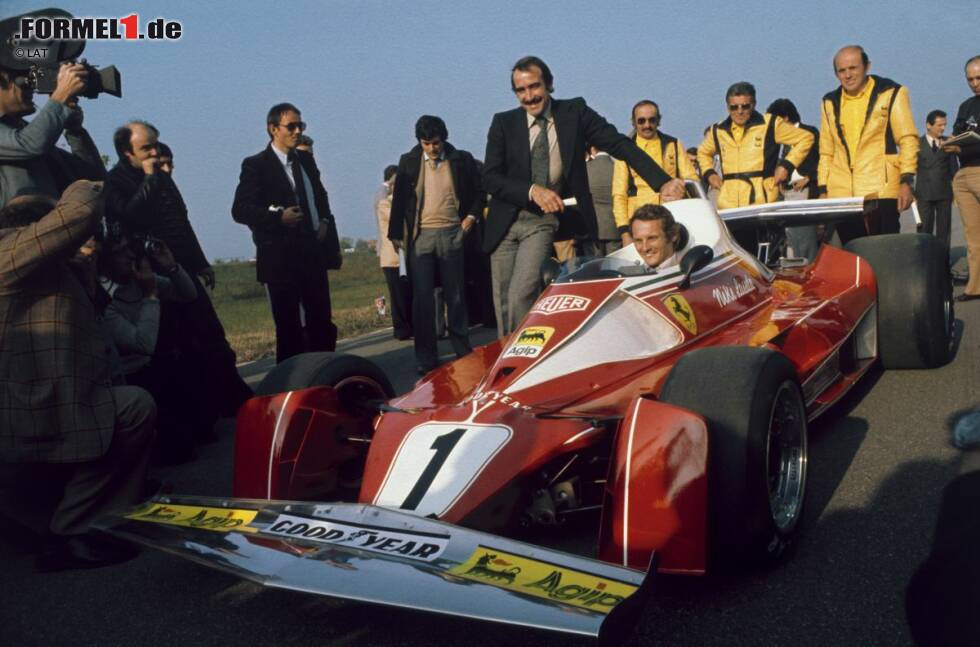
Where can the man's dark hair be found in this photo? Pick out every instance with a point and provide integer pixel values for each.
(164, 150)
(275, 114)
(25, 210)
(784, 108)
(935, 114)
(693, 150)
(740, 88)
(429, 127)
(864, 55)
(390, 171)
(525, 64)
(121, 138)
(645, 102)
(970, 61)
(651, 212)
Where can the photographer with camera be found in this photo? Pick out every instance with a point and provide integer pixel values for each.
(143, 200)
(140, 273)
(30, 163)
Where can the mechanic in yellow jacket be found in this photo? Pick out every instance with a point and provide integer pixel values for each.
(629, 190)
(868, 144)
(747, 144)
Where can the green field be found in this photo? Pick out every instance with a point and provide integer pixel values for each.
(244, 310)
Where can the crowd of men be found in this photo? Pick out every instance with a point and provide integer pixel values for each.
(111, 354)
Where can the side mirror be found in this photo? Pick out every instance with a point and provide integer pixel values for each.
(693, 260)
(550, 269)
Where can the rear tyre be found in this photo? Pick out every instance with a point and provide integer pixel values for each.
(915, 298)
(757, 448)
(356, 379)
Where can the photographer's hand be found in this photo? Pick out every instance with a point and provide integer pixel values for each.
(71, 81)
(73, 123)
(146, 279)
(163, 259)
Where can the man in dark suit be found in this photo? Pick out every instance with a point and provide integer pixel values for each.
(282, 200)
(535, 159)
(436, 202)
(934, 179)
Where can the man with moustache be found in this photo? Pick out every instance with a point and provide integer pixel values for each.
(868, 144)
(630, 191)
(281, 199)
(966, 184)
(535, 159)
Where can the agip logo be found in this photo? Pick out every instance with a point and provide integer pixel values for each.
(530, 342)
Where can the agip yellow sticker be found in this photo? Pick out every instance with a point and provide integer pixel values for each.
(681, 310)
(530, 341)
(217, 519)
(543, 580)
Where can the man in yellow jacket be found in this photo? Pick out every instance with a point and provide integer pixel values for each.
(629, 190)
(868, 144)
(747, 144)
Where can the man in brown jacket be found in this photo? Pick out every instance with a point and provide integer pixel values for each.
(57, 403)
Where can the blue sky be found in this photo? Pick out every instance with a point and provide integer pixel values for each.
(362, 73)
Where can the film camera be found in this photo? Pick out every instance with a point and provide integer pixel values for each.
(35, 62)
(145, 245)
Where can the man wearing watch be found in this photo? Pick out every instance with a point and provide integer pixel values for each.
(281, 198)
(435, 203)
(868, 144)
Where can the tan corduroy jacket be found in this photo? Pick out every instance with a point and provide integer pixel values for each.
(886, 153)
(387, 255)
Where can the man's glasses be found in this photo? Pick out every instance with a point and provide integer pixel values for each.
(735, 107)
(294, 126)
(653, 121)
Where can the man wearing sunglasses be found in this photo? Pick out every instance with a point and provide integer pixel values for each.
(281, 199)
(868, 144)
(629, 190)
(747, 145)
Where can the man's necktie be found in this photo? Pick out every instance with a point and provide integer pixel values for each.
(301, 198)
(540, 155)
(935, 146)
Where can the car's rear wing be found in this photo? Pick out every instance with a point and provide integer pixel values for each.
(793, 213)
(373, 554)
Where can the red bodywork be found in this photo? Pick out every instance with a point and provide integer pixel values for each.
(490, 441)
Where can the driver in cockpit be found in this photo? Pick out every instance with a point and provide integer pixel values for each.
(655, 236)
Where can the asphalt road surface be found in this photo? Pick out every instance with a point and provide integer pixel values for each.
(879, 462)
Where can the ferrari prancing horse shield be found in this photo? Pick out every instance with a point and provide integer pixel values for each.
(681, 310)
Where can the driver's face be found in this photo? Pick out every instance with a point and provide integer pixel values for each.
(651, 241)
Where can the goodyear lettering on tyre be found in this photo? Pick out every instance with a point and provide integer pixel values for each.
(217, 519)
(682, 312)
(543, 580)
(424, 547)
(530, 342)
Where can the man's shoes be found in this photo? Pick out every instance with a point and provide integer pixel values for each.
(93, 549)
(967, 297)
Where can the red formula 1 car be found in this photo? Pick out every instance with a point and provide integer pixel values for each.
(666, 410)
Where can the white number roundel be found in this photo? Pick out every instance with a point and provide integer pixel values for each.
(436, 463)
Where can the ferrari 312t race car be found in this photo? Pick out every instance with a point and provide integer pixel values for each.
(666, 411)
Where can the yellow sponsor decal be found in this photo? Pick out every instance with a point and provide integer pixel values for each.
(530, 341)
(543, 580)
(218, 519)
(681, 310)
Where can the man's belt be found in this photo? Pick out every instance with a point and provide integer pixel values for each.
(745, 177)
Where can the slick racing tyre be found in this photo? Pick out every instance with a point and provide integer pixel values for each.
(757, 448)
(915, 298)
(355, 378)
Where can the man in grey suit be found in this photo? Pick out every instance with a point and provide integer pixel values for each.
(934, 179)
(599, 166)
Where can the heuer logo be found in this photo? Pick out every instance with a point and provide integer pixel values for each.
(560, 303)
